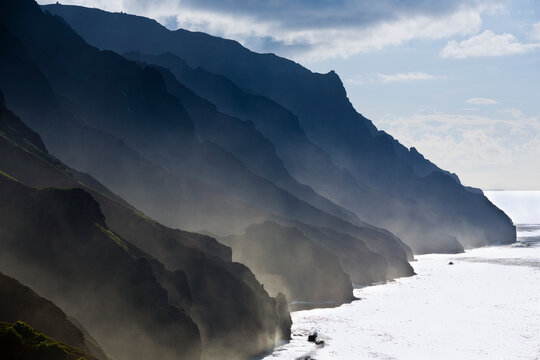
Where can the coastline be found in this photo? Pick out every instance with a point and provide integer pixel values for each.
(470, 310)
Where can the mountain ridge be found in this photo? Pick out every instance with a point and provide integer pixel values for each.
(185, 155)
(188, 268)
(397, 190)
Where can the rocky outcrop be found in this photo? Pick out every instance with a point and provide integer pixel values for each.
(285, 260)
(57, 242)
(285, 321)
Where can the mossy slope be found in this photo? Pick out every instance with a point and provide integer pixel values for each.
(20, 303)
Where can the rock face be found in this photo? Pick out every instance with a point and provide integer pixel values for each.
(139, 131)
(32, 72)
(244, 141)
(284, 317)
(367, 256)
(20, 303)
(272, 120)
(202, 280)
(57, 242)
(383, 182)
(286, 260)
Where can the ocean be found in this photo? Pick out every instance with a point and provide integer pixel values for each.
(484, 306)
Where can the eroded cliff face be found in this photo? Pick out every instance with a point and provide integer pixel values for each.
(57, 242)
(141, 137)
(285, 260)
(191, 272)
(161, 167)
(380, 180)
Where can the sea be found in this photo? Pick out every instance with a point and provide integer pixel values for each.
(484, 306)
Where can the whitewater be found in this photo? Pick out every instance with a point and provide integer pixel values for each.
(484, 306)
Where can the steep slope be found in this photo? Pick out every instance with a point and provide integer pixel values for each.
(57, 242)
(284, 259)
(20, 341)
(202, 280)
(171, 197)
(20, 303)
(407, 194)
(128, 102)
(304, 158)
(163, 246)
(272, 118)
(364, 265)
(108, 93)
(244, 141)
(300, 155)
(135, 92)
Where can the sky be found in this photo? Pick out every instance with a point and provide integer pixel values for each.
(457, 79)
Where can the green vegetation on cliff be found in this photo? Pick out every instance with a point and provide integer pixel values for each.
(19, 341)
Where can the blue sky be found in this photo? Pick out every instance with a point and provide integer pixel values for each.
(457, 79)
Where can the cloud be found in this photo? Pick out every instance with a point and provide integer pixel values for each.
(535, 33)
(515, 113)
(488, 152)
(355, 81)
(312, 29)
(409, 76)
(481, 101)
(487, 44)
(391, 78)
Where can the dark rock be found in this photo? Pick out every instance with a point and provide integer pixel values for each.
(312, 337)
(57, 242)
(284, 318)
(450, 263)
(285, 260)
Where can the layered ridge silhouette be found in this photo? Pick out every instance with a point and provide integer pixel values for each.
(142, 289)
(126, 122)
(391, 186)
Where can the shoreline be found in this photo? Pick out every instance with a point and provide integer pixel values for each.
(451, 315)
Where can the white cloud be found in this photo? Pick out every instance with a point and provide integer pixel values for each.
(409, 76)
(515, 113)
(323, 42)
(535, 33)
(390, 78)
(481, 101)
(487, 44)
(355, 81)
(307, 30)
